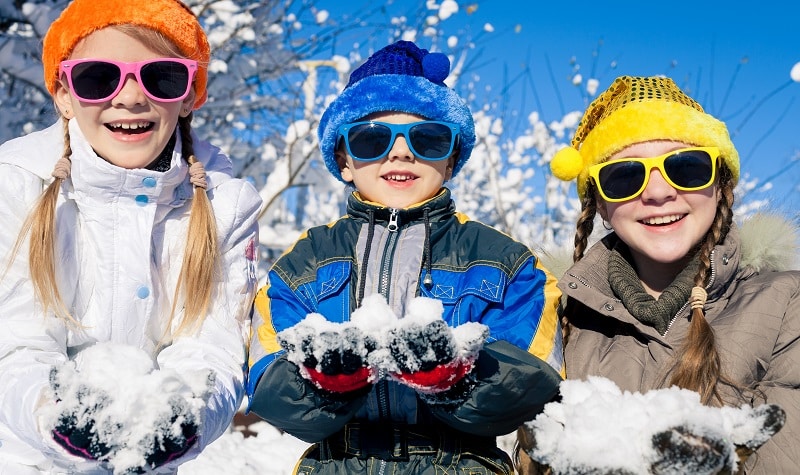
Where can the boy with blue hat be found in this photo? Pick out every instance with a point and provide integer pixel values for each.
(412, 397)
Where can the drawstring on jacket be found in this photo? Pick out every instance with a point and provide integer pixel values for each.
(428, 280)
(365, 260)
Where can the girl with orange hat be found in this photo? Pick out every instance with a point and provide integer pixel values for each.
(121, 227)
(678, 293)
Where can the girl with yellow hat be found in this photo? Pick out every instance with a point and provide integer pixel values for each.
(677, 294)
(121, 227)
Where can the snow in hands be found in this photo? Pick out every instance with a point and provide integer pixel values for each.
(111, 404)
(419, 349)
(597, 428)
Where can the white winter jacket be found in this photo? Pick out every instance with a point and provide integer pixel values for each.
(120, 240)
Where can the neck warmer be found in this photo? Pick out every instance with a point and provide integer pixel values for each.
(653, 312)
(163, 161)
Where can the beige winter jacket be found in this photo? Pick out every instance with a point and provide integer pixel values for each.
(753, 309)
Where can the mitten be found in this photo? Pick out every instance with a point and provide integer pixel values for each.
(428, 355)
(683, 450)
(174, 434)
(76, 426)
(768, 420)
(680, 451)
(330, 355)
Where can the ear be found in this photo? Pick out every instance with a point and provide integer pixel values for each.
(451, 163)
(63, 100)
(187, 105)
(344, 166)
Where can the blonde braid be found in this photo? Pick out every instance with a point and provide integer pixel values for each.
(40, 226)
(201, 255)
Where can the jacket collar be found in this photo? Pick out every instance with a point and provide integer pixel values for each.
(439, 207)
(91, 176)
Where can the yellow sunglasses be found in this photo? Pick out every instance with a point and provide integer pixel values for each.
(687, 169)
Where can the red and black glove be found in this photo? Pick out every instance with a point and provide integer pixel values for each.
(432, 357)
(331, 356)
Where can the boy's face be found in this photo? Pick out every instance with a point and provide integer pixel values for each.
(399, 179)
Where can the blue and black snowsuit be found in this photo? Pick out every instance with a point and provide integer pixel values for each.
(479, 274)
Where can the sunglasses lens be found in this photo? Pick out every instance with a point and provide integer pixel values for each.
(167, 80)
(431, 141)
(368, 141)
(690, 169)
(95, 80)
(619, 180)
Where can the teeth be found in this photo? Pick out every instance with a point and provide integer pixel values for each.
(398, 177)
(663, 219)
(130, 125)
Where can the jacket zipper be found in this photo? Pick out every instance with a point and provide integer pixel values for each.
(710, 283)
(383, 288)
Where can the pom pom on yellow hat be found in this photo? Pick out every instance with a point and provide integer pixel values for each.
(171, 18)
(639, 109)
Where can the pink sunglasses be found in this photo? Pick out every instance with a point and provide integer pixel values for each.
(98, 80)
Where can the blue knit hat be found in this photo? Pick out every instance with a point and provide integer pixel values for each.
(400, 78)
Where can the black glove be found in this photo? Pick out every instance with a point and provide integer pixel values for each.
(331, 356)
(76, 428)
(680, 451)
(175, 433)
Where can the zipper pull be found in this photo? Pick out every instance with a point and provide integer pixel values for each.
(394, 223)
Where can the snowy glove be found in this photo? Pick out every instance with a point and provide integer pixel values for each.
(680, 451)
(174, 434)
(427, 354)
(151, 420)
(330, 355)
(683, 450)
(77, 429)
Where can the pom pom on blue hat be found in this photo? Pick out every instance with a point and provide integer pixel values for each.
(400, 77)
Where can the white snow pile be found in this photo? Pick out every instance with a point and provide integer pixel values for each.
(598, 428)
(129, 400)
(270, 452)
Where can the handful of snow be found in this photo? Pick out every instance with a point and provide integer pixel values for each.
(375, 338)
(597, 428)
(128, 407)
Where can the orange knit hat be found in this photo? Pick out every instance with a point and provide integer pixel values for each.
(171, 18)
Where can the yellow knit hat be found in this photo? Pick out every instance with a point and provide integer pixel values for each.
(634, 110)
(169, 17)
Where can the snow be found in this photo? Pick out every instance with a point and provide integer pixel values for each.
(269, 452)
(375, 322)
(129, 402)
(600, 426)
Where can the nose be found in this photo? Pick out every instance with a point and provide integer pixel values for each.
(131, 93)
(658, 189)
(400, 150)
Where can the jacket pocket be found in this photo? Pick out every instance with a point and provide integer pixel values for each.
(466, 292)
(329, 293)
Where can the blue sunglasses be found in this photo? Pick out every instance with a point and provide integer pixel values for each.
(427, 139)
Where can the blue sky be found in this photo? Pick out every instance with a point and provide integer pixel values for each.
(731, 58)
